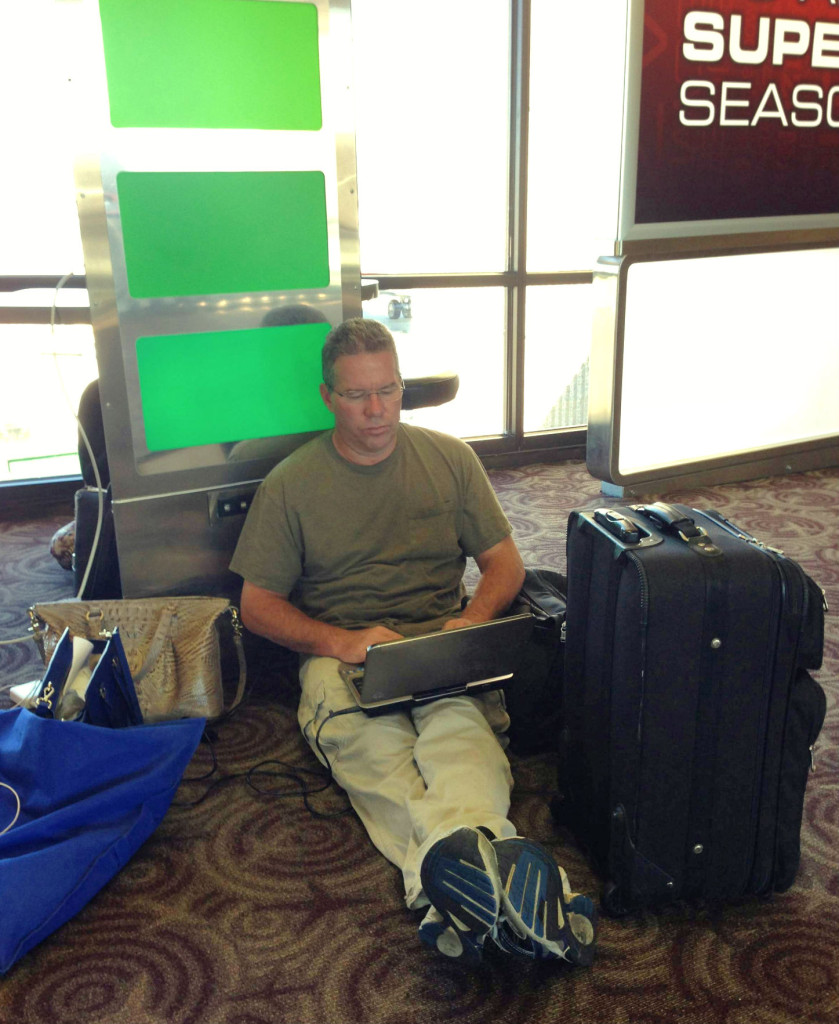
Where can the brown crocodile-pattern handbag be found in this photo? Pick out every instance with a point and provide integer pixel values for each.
(172, 645)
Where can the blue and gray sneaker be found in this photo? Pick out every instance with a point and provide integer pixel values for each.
(541, 918)
(460, 877)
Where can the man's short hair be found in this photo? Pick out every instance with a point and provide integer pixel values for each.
(351, 337)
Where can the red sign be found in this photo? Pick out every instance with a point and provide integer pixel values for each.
(739, 110)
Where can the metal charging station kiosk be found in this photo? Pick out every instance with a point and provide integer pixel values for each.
(218, 211)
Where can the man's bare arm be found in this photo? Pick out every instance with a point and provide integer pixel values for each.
(274, 617)
(502, 574)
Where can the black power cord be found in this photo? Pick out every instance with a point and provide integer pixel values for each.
(300, 775)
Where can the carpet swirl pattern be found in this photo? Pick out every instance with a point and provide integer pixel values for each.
(245, 907)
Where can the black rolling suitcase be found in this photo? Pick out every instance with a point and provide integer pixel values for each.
(689, 714)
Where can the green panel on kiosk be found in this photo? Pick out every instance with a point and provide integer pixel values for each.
(229, 386)
(215, 232)
(212, 64)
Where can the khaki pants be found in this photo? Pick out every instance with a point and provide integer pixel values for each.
(411, 776)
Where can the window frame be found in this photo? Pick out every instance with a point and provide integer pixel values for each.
(25, 497)
(513, 446)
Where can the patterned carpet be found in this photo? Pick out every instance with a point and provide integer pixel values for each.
(247, 909)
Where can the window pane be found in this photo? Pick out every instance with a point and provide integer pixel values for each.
(432, 84)
(576, 102)
(557, 343)
(40, 43)
(451, 330)
(43, 377)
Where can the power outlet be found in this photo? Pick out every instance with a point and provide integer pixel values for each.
(230, 503)
(235, 506)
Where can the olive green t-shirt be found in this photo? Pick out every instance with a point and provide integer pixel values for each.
(360, 545)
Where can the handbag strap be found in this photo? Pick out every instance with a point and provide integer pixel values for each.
(166, 627)
(15, 794)
(240, 654)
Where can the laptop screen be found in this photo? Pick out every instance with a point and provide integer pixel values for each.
(437, 664)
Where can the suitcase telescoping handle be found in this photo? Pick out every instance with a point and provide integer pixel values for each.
(619, 525)
(672, 520)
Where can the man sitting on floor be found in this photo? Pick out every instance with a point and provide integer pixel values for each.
(361, 536)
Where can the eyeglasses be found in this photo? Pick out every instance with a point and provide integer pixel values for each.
(389, 393)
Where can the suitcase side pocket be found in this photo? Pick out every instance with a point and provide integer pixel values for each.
(805, 717)
(811, 646)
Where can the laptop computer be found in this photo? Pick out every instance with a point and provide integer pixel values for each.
(417, 669)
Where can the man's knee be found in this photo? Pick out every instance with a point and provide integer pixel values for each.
(329, 716)
(481, 711)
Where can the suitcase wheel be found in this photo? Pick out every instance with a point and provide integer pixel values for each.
(612, 902)
(559, 810)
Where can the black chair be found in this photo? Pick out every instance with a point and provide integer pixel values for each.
(422, 392)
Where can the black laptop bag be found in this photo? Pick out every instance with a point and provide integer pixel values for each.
(534, 696)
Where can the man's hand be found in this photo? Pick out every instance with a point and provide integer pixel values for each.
(502, 574)
(354, 643)
(273, 616)
(458, 623)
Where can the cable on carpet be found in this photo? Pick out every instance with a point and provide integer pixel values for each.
(300, 775)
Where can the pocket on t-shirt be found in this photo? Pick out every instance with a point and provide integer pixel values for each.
(432, 530)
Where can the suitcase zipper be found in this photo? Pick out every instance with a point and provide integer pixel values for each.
(632, 826)
(726, 524)
(645, 606)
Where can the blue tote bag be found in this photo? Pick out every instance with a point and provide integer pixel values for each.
(77, 802)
